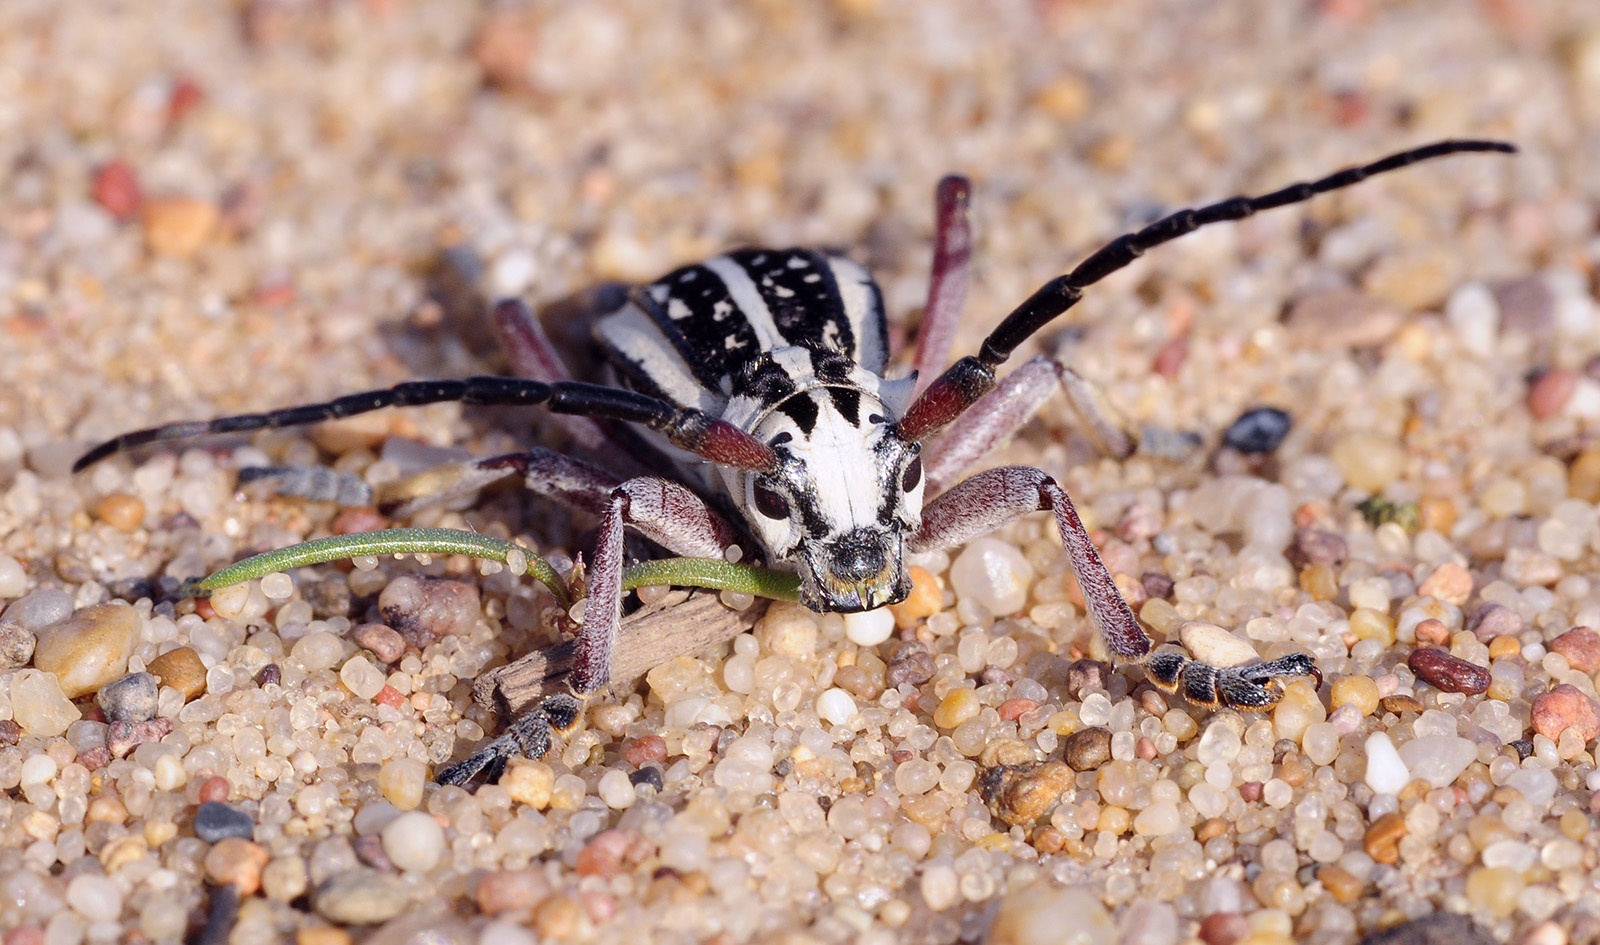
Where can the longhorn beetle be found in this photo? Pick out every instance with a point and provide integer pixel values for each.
(769, 365)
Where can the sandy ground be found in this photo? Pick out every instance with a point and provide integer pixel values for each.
(210, 208)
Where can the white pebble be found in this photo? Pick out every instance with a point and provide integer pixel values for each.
(1211, 644)
(1475, 316)
(229, 601)
(1438, 759)
(869, 627)
(1386, 773)
(362, 678)
(994, 574)
(96, 898)
(835, 706)
(277, 586)
(414, 841)
(940, 887)
(616, 790)
(319, 650)
(12, 581)
(38, 769)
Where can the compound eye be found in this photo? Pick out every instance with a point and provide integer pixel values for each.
(912, 475)
(770, 503)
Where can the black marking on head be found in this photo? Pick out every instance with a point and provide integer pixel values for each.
(803, 411)
(858, 555)
(847, 400)
(780, 439)
(807, 312)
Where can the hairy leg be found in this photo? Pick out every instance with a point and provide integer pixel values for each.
(992, 498)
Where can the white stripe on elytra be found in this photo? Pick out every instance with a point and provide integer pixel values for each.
(748, 298)
(860, 308)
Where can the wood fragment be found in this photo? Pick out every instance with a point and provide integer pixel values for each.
(680, 624)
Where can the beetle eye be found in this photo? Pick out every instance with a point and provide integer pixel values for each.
(912, 476)
(770, 503)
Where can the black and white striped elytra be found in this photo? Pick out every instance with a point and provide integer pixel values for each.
(791, 346)
(766, 369)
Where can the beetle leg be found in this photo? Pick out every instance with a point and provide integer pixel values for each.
(662, 511)
(994, 497)
(1000, 413)
(947, 277)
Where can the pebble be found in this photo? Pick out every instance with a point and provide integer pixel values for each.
(1438, 759)
(237, 861)
(602, 856)
(835, 706)
(121, 511)
(13, 580)
(1086, 675)
(1224, 928)
(912, 665)
(178, 226)
(401, 781)
(1087, 748)
(1581, 647)
(1437, 928)
(379, 640)
(1386, 773)
(1258, 430)
(1382, 840)
(214, 821)
(1339, 318)
(90, 648)
(958, 706)
(925, 600)
(1211, 644)
(514, 892)
(360, 897)
(1021, 794)
(39, 609)
(1368, 461)
(1447, 673)
(123, 737)
(96, 898)
(1358, 691)
(362, 678)
(994, 574)
(1494, 620)
(130, 699)
(1039, 914)
(116, 189)
(414, 841)
(16, 644)
(214, 788)
(529, 782)
(1400, 703)
(182, 670)
(1527, 306)
(285, 879)
(1449, 582)
(1314, 546)
(423, 609)
(869, 627)
(1566, 706)
(1550, 392)
(38, 704)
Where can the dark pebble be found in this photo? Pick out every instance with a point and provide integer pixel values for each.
(1087, 748)
(1223, 928)
(1522, 746)
(378, 640)
(270, 675)
(1494, 620)
(369, 850)
(990, 675)
(1315, 546)
(1258, 430)
(913, 668)
(1085, 675)
(1156, 584)
(130, 699)
(123, 737)
(1439, 669)
(650, 775)
(10, 732)
(95, 758)
(1440, 928)
(422, 610)
(215, 821)
(330, 598)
